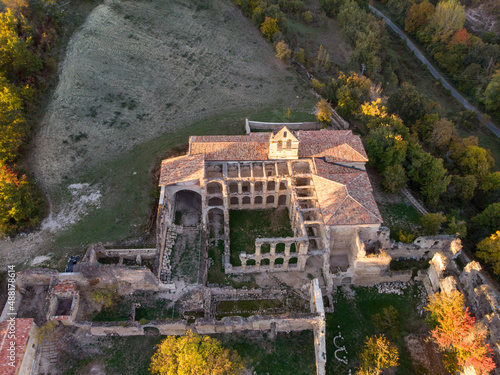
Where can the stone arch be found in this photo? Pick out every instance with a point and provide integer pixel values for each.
(214, 187)
(151, 331)
(265, 262)
(271, 185)
(187, 207)
(215, 202)
(270, 199)
(251, 262)
(259, 187)
(293, 248)
(245, 200)
(234, 201)
(283, 185)
(265, 248)
(245, 187)
(292, 262)
(278, 262)
(258, 199)
(280, 248)
(282, 200)
(233, 187)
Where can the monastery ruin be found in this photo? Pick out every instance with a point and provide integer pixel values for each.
(318, 175)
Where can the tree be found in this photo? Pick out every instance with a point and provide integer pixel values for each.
(448, 18)
(387, 321)
(269, 27)
(464, 187)
(442, 132)
(458, 228)
(428, 172)
(489, 218)
(476, 161)
(418, 16)
(394, 178)
(385, 148)
(352, 91)
(16, 60)
(408, 103)
(194, 354)
(378, 354)
(399, 8)
(282, 51)
(12, 123)
(491, 182)
(431, 223)
(324, 112)
(491, 96)
(323, 58)
(455, 331)
(15, 5)
(489, 251)
(19, 202)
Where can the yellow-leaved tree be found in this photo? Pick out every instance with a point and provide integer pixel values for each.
(269, 27)
(12, 123)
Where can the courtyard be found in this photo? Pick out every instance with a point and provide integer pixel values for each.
(247, 225)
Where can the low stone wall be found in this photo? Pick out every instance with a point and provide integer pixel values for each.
(257, 125)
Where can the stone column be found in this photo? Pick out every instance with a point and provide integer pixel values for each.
(287, 249)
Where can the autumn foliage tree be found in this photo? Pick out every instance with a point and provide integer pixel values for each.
(456, 331)
(269, 27)
(378, 354)
(194, 354)
(489, 251)
(19, 201)
(324, 112)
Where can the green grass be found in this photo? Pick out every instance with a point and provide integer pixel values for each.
(399, 217)
(289, 353)
(130, 197)
(155, 310)
(216, 273)
(354, 316)
(247, 225)
(120, 311)
(120, 355)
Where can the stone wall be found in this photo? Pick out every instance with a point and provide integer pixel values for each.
(423, 247)
(256, 125)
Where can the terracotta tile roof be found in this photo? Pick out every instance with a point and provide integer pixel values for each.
(182, 168)
(22, 329)
(65, 288)
(345, 195)
(335, 145)
(254, 146)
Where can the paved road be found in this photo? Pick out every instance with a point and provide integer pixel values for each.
(435, 73)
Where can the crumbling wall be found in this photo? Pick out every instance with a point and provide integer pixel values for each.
(424, 247)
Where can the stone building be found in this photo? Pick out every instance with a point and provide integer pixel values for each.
(319, 175)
